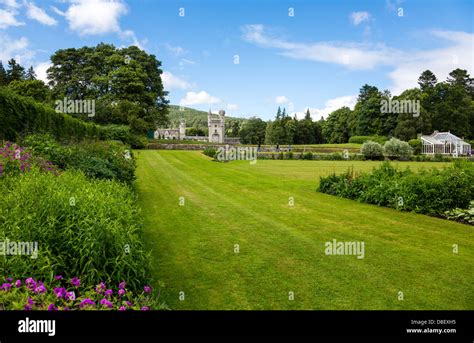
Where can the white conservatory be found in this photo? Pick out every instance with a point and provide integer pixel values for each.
(444, 143)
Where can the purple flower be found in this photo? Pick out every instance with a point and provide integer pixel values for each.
(59, 291)
(121, 292)
(145, 308)
(6, 286)
(18, 283)
(108, 293)
(30, 283)
(105, 302)
(66, 309)
(70, 296)
(8, 279)
(122, 308)
(86, 302)
(100, 288)
(129, 303)
(147, 289)
(58, 277)
(52, 308)
(27, 308)
(122, 284)
(40, 289)
(76, 282)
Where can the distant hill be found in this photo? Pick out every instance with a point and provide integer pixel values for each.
(195, 118)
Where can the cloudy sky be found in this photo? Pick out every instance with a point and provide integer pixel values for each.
(249, 57)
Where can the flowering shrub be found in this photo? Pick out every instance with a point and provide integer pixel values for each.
(69, 294)
(15, 159)
(90, 228)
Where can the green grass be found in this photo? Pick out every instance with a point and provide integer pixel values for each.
(282, 247)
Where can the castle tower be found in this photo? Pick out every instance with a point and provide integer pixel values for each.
(182, 129)
(216, 126)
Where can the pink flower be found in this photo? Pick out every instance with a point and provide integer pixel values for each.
(147, 289)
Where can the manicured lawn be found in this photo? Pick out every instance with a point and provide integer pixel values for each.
(282, 248)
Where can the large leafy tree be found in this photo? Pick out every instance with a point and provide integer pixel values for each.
(368, 118)
(253, 131)
(112, 76)
(35, 89)
(336, 128)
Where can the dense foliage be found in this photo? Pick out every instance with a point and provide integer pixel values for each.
(82, 226)
(20, 116)
(61, 294)
(98, 159)
(432, 191)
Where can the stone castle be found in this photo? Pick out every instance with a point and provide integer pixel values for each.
(215, 124)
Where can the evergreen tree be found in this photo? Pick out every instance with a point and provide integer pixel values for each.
(15, 71)
(30, 74)
(3, 75)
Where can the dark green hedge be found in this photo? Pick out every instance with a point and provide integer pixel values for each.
(20, 116)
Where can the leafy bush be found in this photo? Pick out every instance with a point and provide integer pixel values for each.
(307, 156)
(465, 216)
(415, 145)
(61, 294)
(432, 191)
(211, 152)
(372, 150)
(15, 159)
(123, 133)
(397, 149)
(99, 159)
(363, 139)
(83, 226)
(20, 116)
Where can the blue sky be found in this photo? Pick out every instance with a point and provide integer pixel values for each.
(249, 57)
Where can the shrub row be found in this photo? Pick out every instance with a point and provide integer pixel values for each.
(83, 227)
(393, 149)
(98, 159)
(363, 139)
(20, 116)
(432, 191)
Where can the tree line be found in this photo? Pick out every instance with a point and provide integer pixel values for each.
(442, 106)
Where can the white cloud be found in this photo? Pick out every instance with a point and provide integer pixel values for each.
(202, 97)
(281, 99)
(351, 55)
(171, 81)
(330, 106)
(95, 17)
(7, 18)
(40, 70)
(185, 61)
(17, 49)
(10, 3)
(459, 53)
(406, 65)
(175, 50)
(232, 107)
(38, 14)
(359, 17)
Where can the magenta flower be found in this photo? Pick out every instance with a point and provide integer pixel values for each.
(70, 296)
(59, 292)
(18, 283)
(145, 308)
(6, 286)
(108, 293)
(27, 308)
(30, 283)
(100, 288)
(129, 303)
(52, 308)
(105, 302)
(58, 277)
(121, 292)
(76, 282)
(122, 308)
(40, 289)
(86, 302)
(147, 289)
(122, 284)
